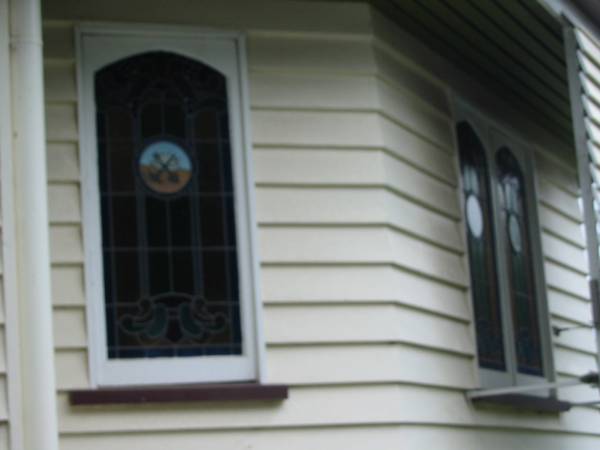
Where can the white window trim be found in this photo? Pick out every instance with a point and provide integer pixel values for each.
(493, 137)
(226, 52)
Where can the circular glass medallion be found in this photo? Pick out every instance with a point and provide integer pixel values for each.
(474, 216)
(514, 233)
(165, 167)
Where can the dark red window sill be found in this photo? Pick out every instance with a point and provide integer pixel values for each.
(177, 394)
(525, 403)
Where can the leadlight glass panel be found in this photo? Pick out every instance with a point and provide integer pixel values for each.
(482, 259)
(518, 248)
(168, 222)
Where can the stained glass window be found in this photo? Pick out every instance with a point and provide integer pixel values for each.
(167, 208)
(482, 259)
(518, 249)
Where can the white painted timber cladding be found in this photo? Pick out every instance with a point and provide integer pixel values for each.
(363, 277)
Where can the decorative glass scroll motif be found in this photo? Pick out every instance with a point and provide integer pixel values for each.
(480, 237)
(520, 264)
(167, 207)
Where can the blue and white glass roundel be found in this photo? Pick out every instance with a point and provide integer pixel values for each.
(165, 167)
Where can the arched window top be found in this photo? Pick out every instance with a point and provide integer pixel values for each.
(472, 157)
(167, 75)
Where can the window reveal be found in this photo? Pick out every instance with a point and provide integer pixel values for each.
(167, 207)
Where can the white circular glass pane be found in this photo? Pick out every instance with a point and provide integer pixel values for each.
(165, 167)
(474, 216)
(514, 233)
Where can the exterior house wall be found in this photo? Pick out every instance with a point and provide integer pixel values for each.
(363, 273)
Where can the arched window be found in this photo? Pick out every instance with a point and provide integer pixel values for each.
(482, 255)
(507, 285)
(168, 226)
(169, 258)
(519, 259)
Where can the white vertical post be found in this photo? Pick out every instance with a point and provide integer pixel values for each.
(31, 214)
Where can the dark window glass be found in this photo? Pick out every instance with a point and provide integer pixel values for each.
(482, 259)
(514, 217)
(170, 259)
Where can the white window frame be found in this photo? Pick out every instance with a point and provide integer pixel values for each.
(98, 46)
(493, 137)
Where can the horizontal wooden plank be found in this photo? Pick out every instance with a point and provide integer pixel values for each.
(564, 253)
(359, 245)
(559, 200)
(568, 307)
(311, 55)
(256, 15)
(342, 405)
(364, 284)
(71, 368)
(353, 168)
(556, 172)
(410, 113)
(63, 162)
(419, 152)
(351, 130)
(569, 362)
(365, 323)
(316, 128)
(64, 203)
(310, 91)
(349, 364)
(403, 74)
(319, 167)
(66, 245)
(61, 122)
(561, 226)
(59, 82)
(422, 188)
(337, 206)
(566, 280)
(69, 328)
(580, 339)
(59, 41)
(415, 436)
(68, 285)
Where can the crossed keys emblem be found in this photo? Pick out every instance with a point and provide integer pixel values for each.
(165, 167)
(163, 163)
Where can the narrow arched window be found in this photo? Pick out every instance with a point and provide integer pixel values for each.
(480, 237)
(167, 208)
(519, 259)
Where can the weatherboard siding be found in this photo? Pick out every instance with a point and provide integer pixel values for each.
(363, 277)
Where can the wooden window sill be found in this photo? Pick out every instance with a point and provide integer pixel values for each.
(524, 403)
(179, 394)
